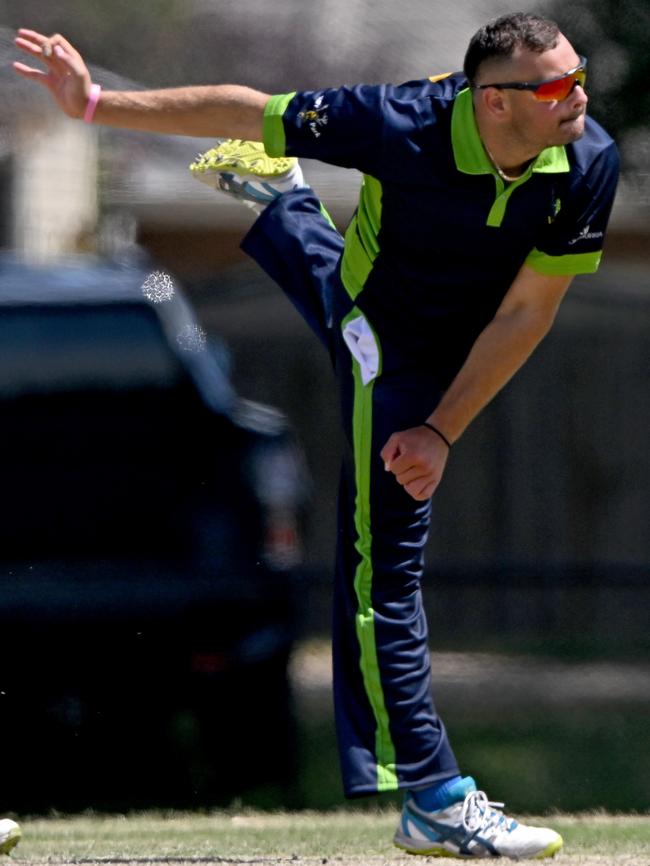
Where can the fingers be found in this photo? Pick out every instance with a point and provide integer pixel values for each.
(29, 47)
(419, 482)
(28, 72)
(31, 34)
(69, 49)
(66, 76)
(417, 479)
(412, 473)
(390, 452)
(42, 49)
(53, 49)
(416, 461)
(34, 43)
(66, 63)
(58, 64)
(421, 492)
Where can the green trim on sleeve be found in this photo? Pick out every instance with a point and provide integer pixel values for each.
(558, 266)
(275, 142)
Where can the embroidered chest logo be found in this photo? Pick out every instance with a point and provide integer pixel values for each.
(315, 117)
(586, 235)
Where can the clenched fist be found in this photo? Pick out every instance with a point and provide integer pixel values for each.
(417, 458)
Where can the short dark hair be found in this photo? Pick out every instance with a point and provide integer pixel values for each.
(499, 39)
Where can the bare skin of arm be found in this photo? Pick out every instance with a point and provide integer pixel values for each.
(417, 457)
(226, 110)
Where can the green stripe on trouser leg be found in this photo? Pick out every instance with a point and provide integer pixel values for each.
(364, 619)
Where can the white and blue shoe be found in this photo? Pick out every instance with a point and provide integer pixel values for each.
(244, 170)
(10, 834)
(469, 826)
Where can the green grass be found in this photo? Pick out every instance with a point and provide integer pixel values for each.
(570, 760)
(242, 837)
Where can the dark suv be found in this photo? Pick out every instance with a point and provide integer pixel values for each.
(147, 551)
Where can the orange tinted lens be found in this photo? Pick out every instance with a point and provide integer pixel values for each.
(560, 89)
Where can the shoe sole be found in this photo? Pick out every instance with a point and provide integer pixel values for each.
(550, 851)
(243, 158)
(431, 852)
(10, 841)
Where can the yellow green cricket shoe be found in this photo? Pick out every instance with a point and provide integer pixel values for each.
(245, 171)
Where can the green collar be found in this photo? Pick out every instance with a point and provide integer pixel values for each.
(470, 155)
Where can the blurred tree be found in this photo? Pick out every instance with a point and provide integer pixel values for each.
(614, 35)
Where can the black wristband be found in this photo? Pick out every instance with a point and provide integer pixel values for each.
(435, 430)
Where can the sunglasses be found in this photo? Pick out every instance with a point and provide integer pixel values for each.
(550, 90)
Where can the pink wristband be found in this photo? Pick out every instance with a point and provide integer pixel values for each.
(93, 99)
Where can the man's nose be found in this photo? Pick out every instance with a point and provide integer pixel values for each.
(579, 97)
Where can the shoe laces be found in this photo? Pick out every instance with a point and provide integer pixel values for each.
(480, 814)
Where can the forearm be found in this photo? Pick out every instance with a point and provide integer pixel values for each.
(227, 110)
(417, 456)
(217, 111)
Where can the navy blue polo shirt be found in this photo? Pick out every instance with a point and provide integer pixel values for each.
(438, 237)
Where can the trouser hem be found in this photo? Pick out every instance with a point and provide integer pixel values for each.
(403, 785)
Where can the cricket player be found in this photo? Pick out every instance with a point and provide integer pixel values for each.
(484, 193)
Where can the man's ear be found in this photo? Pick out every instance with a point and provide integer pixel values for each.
(495, 102)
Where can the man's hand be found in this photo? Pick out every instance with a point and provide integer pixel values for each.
(67, 77)
(417, 458)
(212, 110)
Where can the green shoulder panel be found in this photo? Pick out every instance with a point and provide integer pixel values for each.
(361, 238)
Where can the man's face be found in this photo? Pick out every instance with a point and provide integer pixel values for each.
(543, 124)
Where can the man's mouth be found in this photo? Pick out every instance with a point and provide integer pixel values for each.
(573, 118)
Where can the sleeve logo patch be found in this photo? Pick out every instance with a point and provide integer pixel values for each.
(315, 117)
(586, 235)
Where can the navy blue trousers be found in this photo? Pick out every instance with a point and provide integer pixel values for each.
(389, 733)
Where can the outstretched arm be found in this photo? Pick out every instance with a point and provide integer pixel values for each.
(226, 110)
(417, 457)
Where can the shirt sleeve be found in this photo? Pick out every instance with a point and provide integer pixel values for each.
(573, 242)
(342, 126)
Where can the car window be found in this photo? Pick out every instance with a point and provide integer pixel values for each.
(58, 348)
